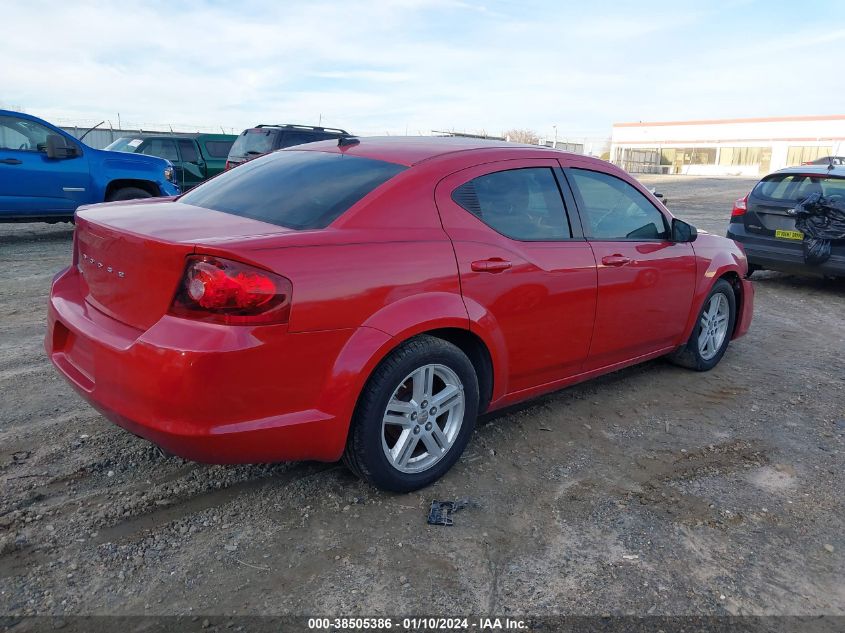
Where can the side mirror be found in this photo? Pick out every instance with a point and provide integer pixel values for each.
(58, 147)
(682, 231)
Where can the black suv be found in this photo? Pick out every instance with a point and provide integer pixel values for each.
(263, 139)
(764, 220)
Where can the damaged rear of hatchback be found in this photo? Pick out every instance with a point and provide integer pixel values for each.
(793, 221)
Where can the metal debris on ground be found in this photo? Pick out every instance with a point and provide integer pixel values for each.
(441, 512)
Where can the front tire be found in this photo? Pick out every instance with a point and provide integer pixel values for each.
(129, 193)
(712, 332)
(414, 417)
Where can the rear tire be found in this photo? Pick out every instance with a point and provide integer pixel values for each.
(414, 417)
(128, 193)
(712, 332)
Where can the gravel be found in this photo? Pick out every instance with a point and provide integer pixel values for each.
(654, 490)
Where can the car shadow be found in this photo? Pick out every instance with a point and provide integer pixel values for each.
(578, 390)
(787, 281)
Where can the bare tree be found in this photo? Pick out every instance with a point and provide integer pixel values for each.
(522, 136)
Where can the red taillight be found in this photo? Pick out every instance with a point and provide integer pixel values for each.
(225, 291)
(740, 206)
(228, 166)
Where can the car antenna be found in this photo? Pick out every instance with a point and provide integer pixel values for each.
(90, 129)
(346, 141)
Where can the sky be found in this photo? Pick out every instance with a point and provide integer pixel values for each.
(391, 67)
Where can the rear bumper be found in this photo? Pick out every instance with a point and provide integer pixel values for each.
(206, 392)
(782, 255)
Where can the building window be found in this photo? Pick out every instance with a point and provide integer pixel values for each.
(731, 156)
(799, 154)
(699, 155)
(638, 160)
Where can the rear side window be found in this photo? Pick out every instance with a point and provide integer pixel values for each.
(614, 210)
(165, 148)
(297, 190)
(218, 149)
(523, 204)
(298, 138)
(188, 151)
(254, 142)
(793, 188)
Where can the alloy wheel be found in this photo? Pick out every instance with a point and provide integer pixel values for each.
(713, 326)
(423, 418)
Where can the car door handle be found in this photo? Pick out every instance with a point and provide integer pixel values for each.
(615, 260)
(492, 265)
(10, 161)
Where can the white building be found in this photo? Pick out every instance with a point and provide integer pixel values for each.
(741, 147)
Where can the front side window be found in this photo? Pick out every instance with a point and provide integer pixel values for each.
(294, 189)
(522, 204)
(23, 134)
(614, 210)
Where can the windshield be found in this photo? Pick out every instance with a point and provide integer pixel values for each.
(125, 144)
(254, 142)
(294, 189)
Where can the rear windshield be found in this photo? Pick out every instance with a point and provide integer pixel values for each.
(254, 142)
(294, 189)
(796, 187)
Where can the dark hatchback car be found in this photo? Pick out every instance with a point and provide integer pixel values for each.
(263, 139)
(764, 220)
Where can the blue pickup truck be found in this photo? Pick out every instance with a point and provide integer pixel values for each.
(45, 173)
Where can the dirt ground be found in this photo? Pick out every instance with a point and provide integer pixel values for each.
(654, 490)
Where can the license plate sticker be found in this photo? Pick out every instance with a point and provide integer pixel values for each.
(789, 235)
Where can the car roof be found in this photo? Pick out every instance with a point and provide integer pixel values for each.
(216, 137)
(411, 150)
(821, 170)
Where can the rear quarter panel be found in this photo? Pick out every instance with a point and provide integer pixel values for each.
(389, 274)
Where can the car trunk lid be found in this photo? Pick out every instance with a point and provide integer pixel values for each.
(132, 256)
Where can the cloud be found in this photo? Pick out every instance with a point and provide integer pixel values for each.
(388, 66)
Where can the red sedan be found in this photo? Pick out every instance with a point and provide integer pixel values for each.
(368, 298)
